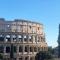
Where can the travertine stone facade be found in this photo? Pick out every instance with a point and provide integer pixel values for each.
(26, 37)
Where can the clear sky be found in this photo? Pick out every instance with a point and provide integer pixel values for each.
(46, 12)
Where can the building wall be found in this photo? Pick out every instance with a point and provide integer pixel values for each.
(27, 38)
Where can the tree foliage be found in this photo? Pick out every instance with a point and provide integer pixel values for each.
(42, 55)
(1, 57)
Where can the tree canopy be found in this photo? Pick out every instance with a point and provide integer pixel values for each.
(42, 55)
(1, 57)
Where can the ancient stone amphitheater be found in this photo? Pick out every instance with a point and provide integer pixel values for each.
(21, 39)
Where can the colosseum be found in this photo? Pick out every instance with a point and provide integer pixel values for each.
(21, 39)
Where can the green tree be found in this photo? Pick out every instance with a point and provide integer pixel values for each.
(51, 50)
(1, 57)
(43, 55)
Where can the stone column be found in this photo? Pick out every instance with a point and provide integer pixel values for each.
(29, 57)
(23, 49)
(4, 50)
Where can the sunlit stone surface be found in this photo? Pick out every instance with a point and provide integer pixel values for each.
(21, 39)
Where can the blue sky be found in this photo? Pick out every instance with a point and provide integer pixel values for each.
(42, 11)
